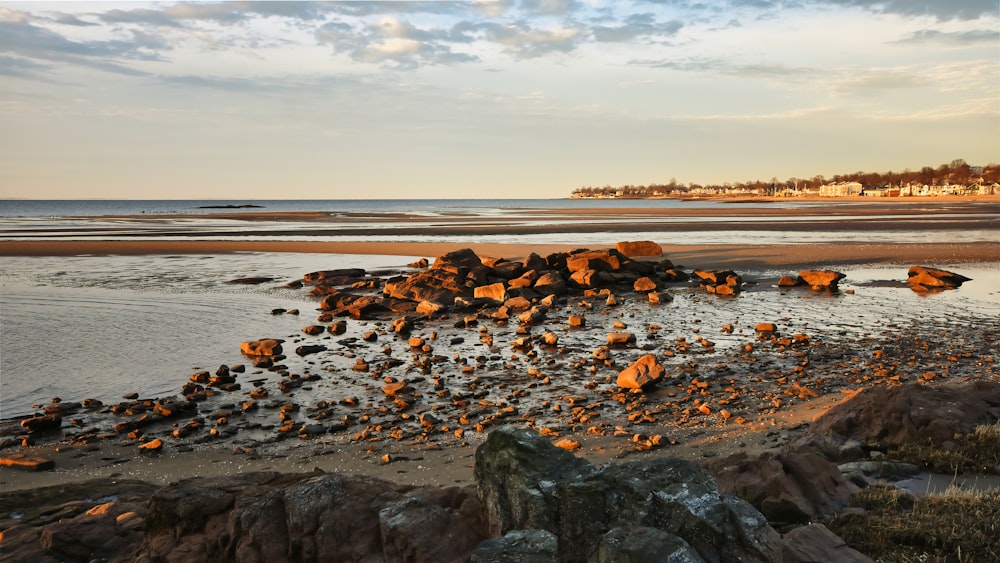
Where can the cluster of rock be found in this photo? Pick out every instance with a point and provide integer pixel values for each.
(532, 501)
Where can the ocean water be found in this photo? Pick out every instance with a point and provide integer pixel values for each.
(103, 326)
(525, 221)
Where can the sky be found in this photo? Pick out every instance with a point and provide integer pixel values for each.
(484, 99)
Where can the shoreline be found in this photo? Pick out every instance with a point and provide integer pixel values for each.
(692, 256)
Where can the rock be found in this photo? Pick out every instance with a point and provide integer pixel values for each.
(815, 543)
(266, 347)
(429, 308)
(923, 278)
(314, 330)
(525, 482)
(639, 544)
(769, 328)
(152, 446)
(327, 275)
(643, 374)
(644, 285)
(42, 423)
(519, 546)
(310, 349)
(396, 388)
(441, 286)
(534, 315)
(788, 488)
(788, 281)
(495, 293)
(251, 281)
(458, 262)
(621, 338)
(419, 264)
(634, 249)
(598, 260)
(551, 283)
(576, 321)
(26, 462)
(820, 279)
(913, 413)
(309, 517)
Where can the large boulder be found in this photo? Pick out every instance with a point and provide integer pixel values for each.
(907, 414)
(643, 374)
(309, 517)
(458, 261)
(265, 347)
(820, 279)
(788, 488)
(526, 482)
(634, 249)
(441, 286)
(815, 543)
(923, 278)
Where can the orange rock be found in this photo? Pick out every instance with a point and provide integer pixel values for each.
(568, 444)
(152, 445)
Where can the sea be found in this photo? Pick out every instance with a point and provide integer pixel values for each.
(102, 326)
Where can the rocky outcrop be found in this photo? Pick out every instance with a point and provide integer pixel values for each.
(526, 483)
(909, 413)
(788, 488)
(923, 278)
(309, 517)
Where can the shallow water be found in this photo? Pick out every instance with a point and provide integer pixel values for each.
(102, 326)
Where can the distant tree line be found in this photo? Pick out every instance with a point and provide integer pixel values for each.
(958, 172)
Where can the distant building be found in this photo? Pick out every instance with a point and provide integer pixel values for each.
(841, 189)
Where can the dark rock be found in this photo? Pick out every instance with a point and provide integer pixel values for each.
(310, 349)
(519, 546)
(340, 274)
(788, 488)
(634, 249)
(251, 281)
(928, 414)
(923, 278)
(309, 517)
(817, 544)
(642, 544)
(525, 482)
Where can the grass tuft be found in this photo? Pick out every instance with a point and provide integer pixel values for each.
(956, 525)
(976, 452)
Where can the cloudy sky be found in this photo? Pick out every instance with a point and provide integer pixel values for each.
(484, 99)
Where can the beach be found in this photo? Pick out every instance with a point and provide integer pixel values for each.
(878, 270)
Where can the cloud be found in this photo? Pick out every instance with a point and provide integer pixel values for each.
(549, 7)
(940, 9)
(955, 39)
(21, 67)
(636, 25)
(526, 42)
(397, 42)
(31, 41)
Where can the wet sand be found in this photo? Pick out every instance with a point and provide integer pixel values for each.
(413, 461)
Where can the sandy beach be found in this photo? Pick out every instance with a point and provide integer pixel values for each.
(422, 461)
